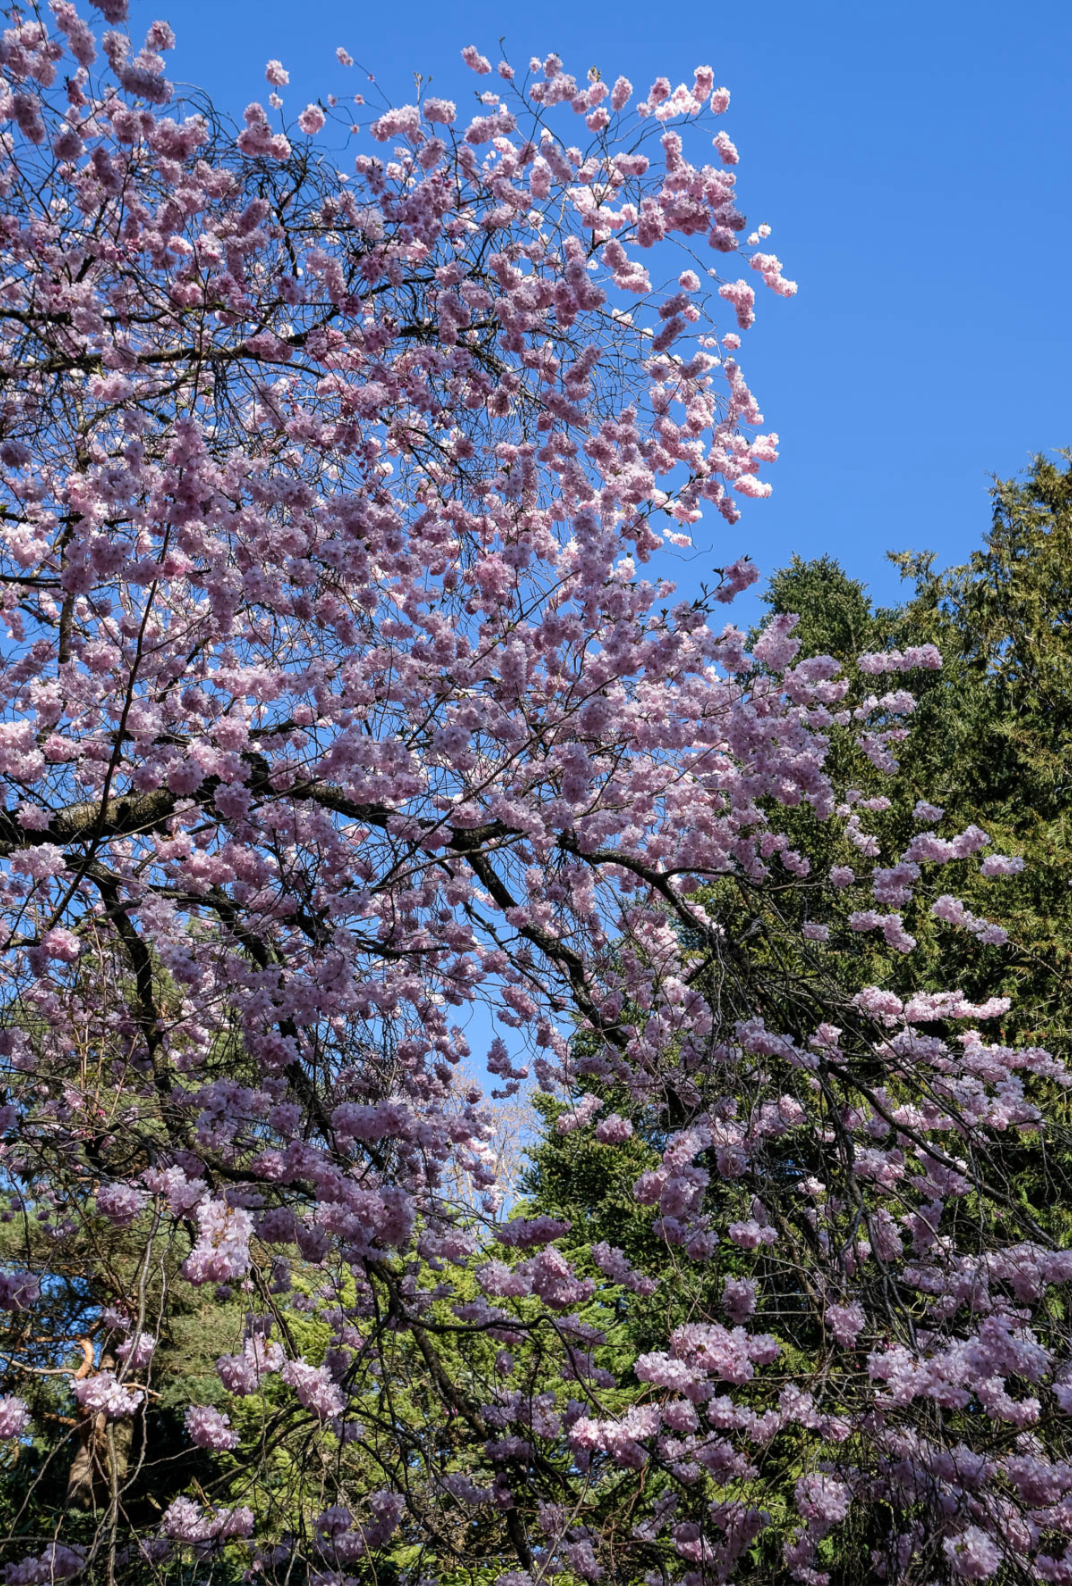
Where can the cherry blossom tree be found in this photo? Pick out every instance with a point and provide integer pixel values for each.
(346, 689)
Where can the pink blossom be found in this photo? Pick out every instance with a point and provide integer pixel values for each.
(104, 1395)
(522, 1232)
(14, 1416)
(738, 575)
(1001, 865)
(751, 1234)
(846, 1323)
(742, 297)
(186, 1522)
(614, 1265)
(61, 944)
(822, 1499)
(727, 150)
(120, 1203)
(136, 1352)
(739, 1298)
(580, 1116)
(441, 111)
(314, 1388)
(973, 1554)
(209, 1428)
(621, 93)
(403, 122)
(311, 119)
(41, 862)
(18, 1291)
(222, 1248)
(613, 1129)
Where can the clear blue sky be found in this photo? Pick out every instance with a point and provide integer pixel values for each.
(914, 162)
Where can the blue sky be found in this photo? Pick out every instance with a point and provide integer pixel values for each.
(913, 160)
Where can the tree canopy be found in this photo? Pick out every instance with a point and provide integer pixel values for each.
(346, 691)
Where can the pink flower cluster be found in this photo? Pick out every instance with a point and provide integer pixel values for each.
(103, 1394)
